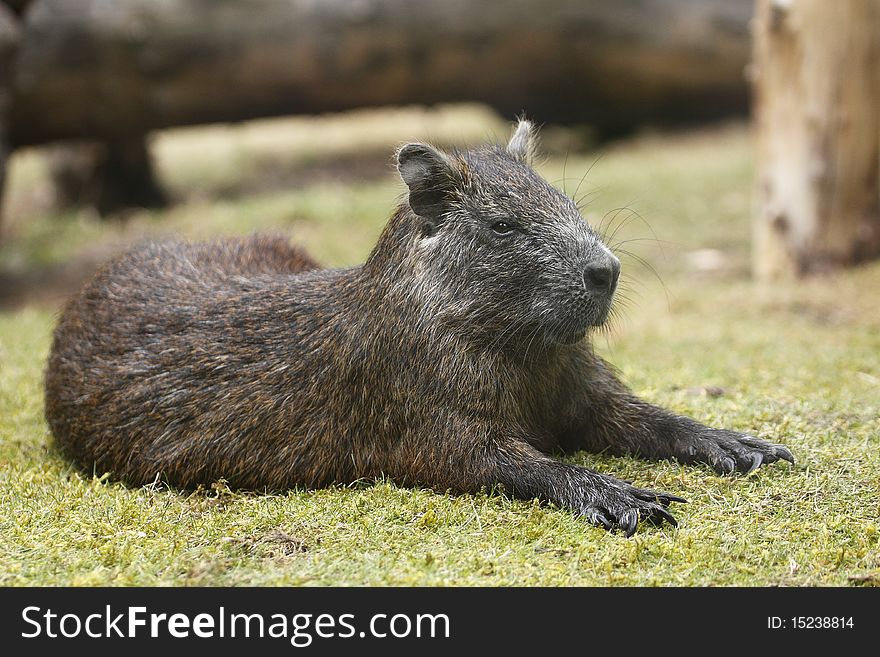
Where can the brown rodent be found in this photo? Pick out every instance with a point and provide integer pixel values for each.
(457, 357)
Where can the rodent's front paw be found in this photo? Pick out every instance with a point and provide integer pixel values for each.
(618, 505)
(731, 451)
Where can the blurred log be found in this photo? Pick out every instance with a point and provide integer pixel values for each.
(93, 68)
(817, 93)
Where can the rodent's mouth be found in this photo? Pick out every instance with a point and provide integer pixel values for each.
(573, 337)
(601, 316)
(576, 330)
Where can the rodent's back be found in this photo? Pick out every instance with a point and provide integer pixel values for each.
(209, 263)
(154, 359)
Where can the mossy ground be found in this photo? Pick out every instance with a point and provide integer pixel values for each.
(798, 363)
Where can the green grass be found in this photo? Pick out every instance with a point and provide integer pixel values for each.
(798, 363)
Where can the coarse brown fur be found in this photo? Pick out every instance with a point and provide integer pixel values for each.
(454, 358)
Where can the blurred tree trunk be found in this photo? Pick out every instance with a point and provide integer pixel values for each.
(817, 118)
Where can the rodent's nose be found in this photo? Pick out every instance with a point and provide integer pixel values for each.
(602, 273)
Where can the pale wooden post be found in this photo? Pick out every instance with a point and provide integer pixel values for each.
(817, 123)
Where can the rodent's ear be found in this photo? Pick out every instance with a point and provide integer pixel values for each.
(429, 175)
(521, 143)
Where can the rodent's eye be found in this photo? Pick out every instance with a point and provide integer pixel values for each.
(502, 227)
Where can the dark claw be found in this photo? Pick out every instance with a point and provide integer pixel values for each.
(776, 451)
(725, 465)
(602, 519)
(784, 453)
(666, 498)
(663, 515)
(629, 521)
(757, 460)
(659, 498)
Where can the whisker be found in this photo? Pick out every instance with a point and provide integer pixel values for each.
(586, 173)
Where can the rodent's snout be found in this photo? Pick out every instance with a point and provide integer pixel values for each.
(601, 274)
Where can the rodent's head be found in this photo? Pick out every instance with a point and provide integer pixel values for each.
(505, 253)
